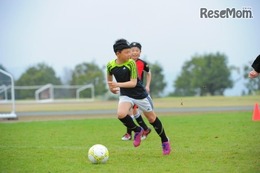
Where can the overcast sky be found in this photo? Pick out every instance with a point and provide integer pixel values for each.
(64, 33)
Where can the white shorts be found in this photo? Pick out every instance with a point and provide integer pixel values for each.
(145, 105)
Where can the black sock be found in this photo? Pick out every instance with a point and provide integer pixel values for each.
(157, 124)
(129, 123)
(128, 130)
(141, 122)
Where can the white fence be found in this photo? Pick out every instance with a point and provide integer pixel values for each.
(50, 92)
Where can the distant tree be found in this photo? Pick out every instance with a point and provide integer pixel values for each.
(2, 67)
(66, 76)
(252, 85)
(204, 75)
(41, 74)
(158, 83)
(89, 73)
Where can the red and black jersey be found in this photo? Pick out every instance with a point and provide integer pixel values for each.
(141, 67)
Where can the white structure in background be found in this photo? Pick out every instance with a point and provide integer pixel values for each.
(45, 93)
(91, 86)
(52, 93)
(4, 89)
(12, 114)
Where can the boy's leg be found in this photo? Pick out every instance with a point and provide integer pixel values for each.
(122, 112)
(157, 124)
(139, 118)
(141, 122)
(128, 135)
(147, 106)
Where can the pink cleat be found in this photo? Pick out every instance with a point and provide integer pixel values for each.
(166, 148)
(137, 137)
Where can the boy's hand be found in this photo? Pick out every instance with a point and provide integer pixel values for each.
(147, 89)
(253, 74)
(113, 87)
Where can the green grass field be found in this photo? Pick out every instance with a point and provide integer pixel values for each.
(204, 142)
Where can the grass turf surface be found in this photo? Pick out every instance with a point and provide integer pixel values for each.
(212, 142)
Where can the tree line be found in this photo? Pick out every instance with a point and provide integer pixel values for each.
(203, 75)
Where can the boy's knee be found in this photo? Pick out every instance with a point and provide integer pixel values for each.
(121, 114)
(150, 117)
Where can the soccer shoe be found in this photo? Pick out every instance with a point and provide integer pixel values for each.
(126, 137)
(166, 148)
(146, 133)
(137, 137)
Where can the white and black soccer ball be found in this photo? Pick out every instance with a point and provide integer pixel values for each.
(98, 153)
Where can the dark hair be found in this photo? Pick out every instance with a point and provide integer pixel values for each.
(136, 44)
(120, 44)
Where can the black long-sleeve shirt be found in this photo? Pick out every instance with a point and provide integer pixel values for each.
(256, 64)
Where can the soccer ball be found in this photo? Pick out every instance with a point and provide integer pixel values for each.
(98, 154)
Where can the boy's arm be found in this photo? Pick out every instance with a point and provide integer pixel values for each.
(128, 84)
(256, 66)
(113, 89)
(133, 78)
(148, 81)
(148, 76)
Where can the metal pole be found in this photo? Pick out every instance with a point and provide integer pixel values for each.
(12, 93)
